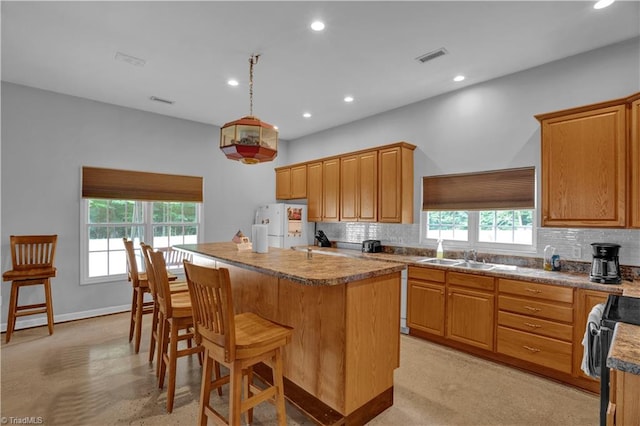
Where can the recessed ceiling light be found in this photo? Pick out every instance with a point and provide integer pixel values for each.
(307, 115)
(317, 25)
(232, 82)
(458, 78)
(348, 99)
(602, 4)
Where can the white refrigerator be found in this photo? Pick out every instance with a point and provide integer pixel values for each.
(287, 224)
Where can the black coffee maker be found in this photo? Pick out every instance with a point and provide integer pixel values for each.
(605, 268)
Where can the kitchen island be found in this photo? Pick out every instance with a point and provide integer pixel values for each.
(345, 314)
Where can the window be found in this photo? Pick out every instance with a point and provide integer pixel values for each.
(487, 228)
(106, 222)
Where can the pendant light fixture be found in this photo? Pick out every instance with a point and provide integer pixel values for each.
(248, 139)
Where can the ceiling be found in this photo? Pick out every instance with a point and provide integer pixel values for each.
(368, 50)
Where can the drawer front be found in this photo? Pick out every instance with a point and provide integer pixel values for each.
(428, 274)
(535, 308)
(536, 325)
(539, 350)
(472, 281)
(539, 291)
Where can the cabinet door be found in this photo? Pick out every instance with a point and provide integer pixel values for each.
(349, 188)
(470, 317)
(314, 192)
(331, 190)
(368, 190)
(390, 186)
(425, 308)
(584, 169)
(586, 300)
(283, 184)
(299, 181)
(634, 193)
(359, 187)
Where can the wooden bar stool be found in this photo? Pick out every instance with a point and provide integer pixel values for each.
(32, 259)
(175, 287)
(174, 316)
(237, 342)
(139, 306)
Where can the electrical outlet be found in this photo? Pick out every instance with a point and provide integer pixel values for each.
(577, 252)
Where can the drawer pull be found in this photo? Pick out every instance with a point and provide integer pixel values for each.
(532, 309)
(533, 290)
(530, 349)
(528, 324)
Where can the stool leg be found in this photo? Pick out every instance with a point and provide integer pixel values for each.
(132, 323)
(235, 394)
(13, 305)
(173, 351)
(205, 389)
(154, 331)
(139, 308)
(49, 303)
(279, 383)
(248, 394)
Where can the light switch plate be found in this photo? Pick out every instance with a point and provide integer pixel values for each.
(577, 252)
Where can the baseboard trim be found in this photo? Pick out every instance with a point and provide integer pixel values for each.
(58, 318)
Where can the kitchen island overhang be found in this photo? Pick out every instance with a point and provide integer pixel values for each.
(346, 317)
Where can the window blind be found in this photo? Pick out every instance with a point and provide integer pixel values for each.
(491, 190)
(133, 185)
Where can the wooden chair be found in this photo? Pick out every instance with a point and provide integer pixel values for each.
(236, 341)
(174, 316)
(32, 259)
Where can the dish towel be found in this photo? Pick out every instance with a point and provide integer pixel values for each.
(591, 342)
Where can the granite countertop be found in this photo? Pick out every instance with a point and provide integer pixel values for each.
(566, 279)
(321, 269)
(624, 353)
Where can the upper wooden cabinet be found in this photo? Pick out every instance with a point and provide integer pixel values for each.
(634, 187)
(374, 185)
(359, 187)
(590, 166)
(314, 192)
(323, 183)
(291, 182)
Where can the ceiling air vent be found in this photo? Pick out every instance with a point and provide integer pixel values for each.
(432, 55)
(164, 101)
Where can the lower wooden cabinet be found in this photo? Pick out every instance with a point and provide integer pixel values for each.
(426, 300)
(624, 406)
(470, 317)
(535, 326)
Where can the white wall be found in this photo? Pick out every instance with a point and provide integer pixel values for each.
(47, 138)
(490, 126)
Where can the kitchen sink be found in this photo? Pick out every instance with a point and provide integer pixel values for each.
(475, 265)
(435, 261)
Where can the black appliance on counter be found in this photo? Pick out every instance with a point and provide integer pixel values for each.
(322, 239)
(617, 309)
(605, 267)
(371, 246)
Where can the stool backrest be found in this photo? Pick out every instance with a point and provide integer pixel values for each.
(132, 263)
(151, 280)
(212, 304)
(157, 272)
(33, 251)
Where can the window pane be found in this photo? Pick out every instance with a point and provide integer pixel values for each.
(506, 226)
(99, 264)
(448, 225)
(190, 212)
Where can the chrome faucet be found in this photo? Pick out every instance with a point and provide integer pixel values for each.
(471, 255)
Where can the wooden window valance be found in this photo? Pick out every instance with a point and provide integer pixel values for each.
(132, 185)
(492, 190)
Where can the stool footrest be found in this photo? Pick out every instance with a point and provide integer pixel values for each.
(37, 305)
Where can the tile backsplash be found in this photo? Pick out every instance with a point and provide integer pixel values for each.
(571, 244)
